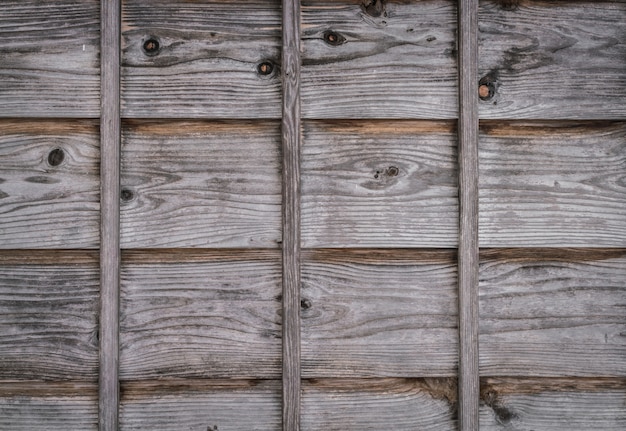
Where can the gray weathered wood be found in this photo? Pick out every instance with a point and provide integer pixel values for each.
(468, 216)
(200, 314)
(379, 313)
(554, 60)
(552, 184)
(291, 218)
(44, 205)
(110, 141)
(377, 404)
(208, 61)
(197, 184)
(553, 404)
(393, 59)
(48, 315)
(553, 312)
(49, 55)
(201, 405)
(379, 184)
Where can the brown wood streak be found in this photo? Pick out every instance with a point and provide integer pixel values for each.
(110, 139)
(468, 215)
(291, 136)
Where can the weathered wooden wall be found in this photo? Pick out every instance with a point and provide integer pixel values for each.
(201, 225)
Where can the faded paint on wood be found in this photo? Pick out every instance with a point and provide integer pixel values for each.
(552, 184)
(200, 314)
(49, 184)
(553, 60)
(379, 184)
(375, 313)
(201, 184)
(50, 58)
(553, 313)
(392, 59)
(209, 60)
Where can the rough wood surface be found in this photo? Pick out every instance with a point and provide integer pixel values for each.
(553, 404)
(379, 184)
(197, 184)
(200, 314)
(377, 404)
(553, 312)
(48, 316)
(194, 405)
(50, 58)
(554, 60)
(552, 184)
(49, 189)
(392, 59)
(379, 313)
(208, 60)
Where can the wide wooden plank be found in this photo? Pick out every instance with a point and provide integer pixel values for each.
(379, 184)
(377, 404)
(50, 58)
(553, 60)
(552, 184)
(379, 313)
(197, 184)
(378, 59)
(198, 405)
(553, 313)
(553, 404)
(49, 189)
(205, 314)
(48, 316)
(191, 59)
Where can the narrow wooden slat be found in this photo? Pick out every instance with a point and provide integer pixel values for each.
(110, 130)
(468, 215)
(291, 137)
(379, 313)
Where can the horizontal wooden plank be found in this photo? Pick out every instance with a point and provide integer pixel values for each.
(197, 184)
(385, 60)
(553, 404)
(49, 187)
(377, 404)
(208, 62)
(553, 313)
(379, 184)
(379, 313)
(48, 321)
(211, 318)
(552, 184)
(50, 58)
(253, 406)
(553, 60)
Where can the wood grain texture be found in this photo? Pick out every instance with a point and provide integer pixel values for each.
(379, 184)
(553, 313)
(48, 318)
(207, 62)
(554, 60)
(377, 313)
(50, 58)
(253, 405)
(44, 205)
(553, 404)
(205, 314)
(552, 184)
(376, 404)
(197, 184)
(392, 59)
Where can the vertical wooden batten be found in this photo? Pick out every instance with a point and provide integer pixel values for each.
(291, 137)
(469, 389)
(110, 215)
